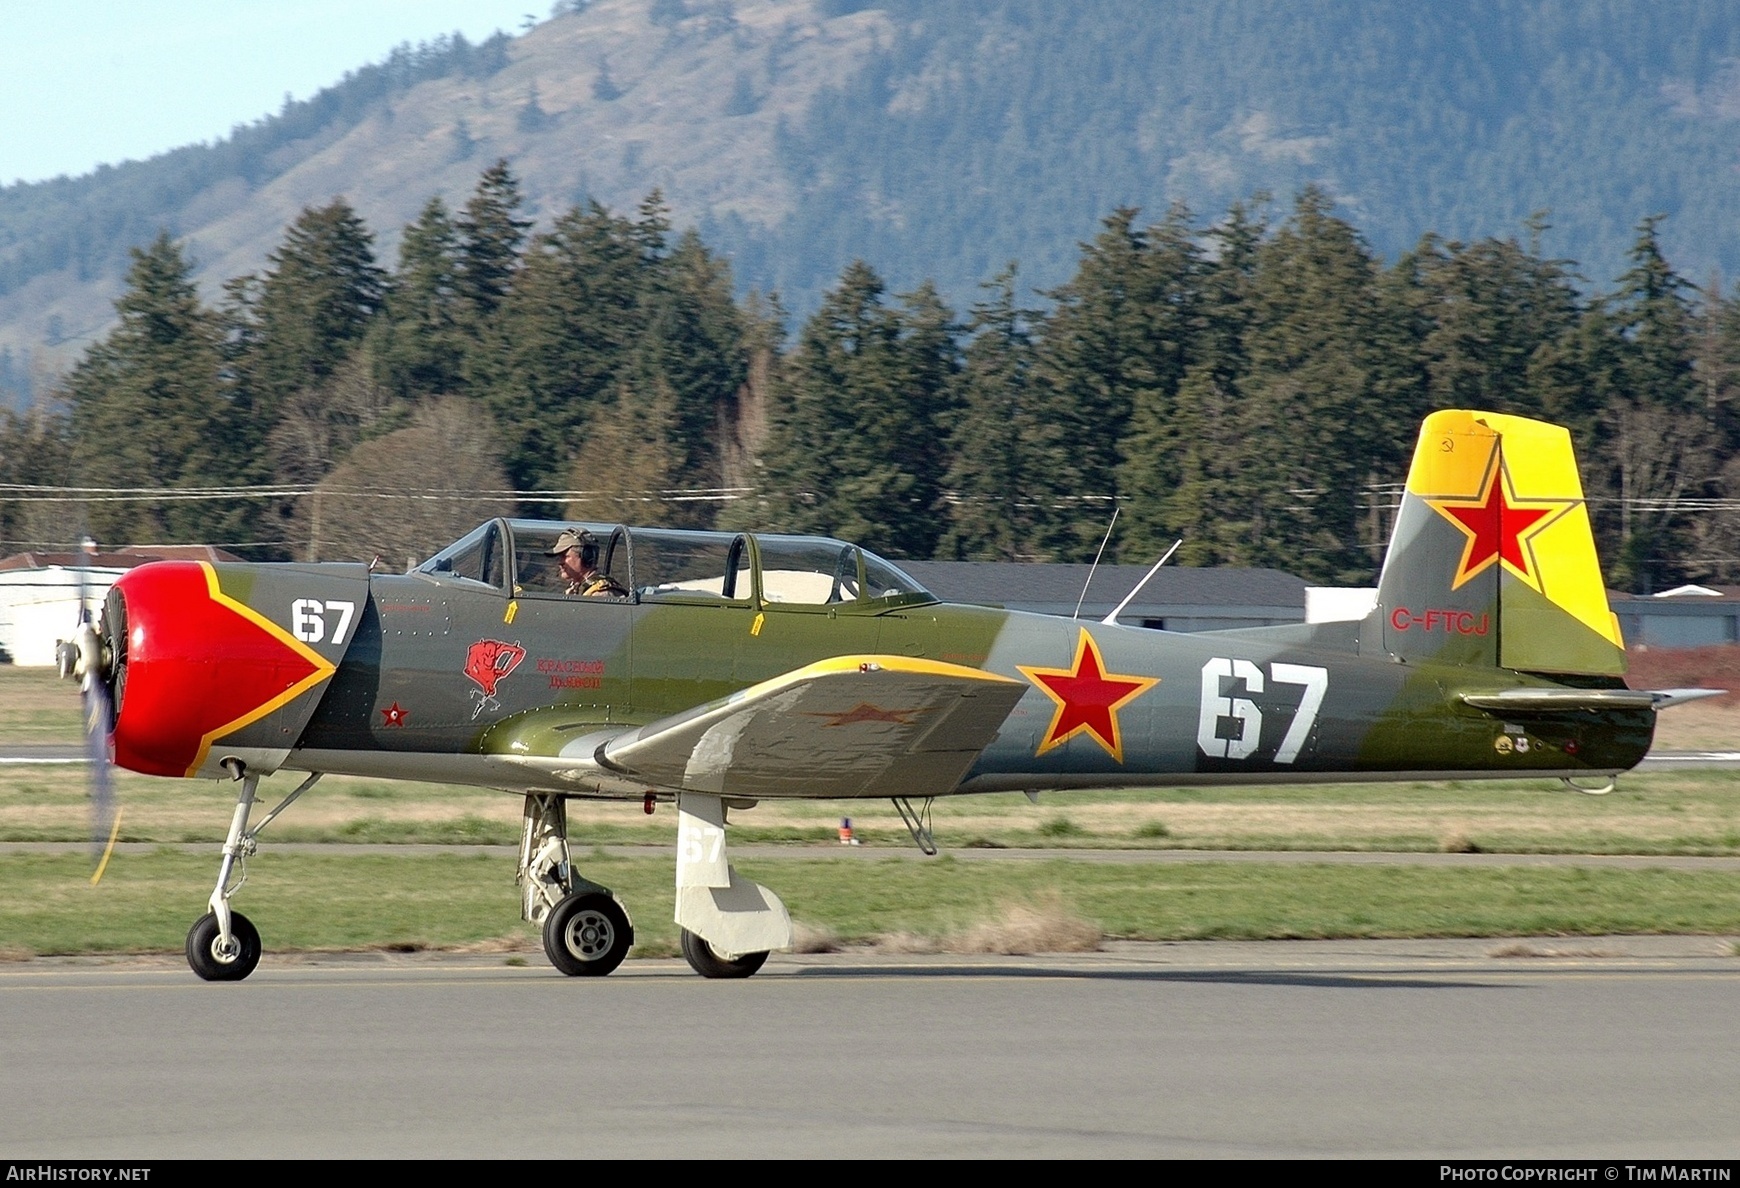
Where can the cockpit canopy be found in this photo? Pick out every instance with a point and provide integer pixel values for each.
(675, 565)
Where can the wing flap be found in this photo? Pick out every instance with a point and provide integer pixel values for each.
(849, 726)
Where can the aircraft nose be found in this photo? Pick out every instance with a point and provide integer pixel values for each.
(200, 665)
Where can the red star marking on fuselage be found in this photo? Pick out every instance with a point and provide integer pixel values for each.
(865, 712)
(1498, 526)
(393, 715)
(1088, 698)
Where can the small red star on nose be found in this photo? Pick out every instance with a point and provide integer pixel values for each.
(393, 715)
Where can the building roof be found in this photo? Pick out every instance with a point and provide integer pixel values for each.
(127, 558)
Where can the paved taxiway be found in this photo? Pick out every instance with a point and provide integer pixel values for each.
(1615, 1047)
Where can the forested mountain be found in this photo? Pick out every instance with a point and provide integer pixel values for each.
(552, 290)
(940, 141)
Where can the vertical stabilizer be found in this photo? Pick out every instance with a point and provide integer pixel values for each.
(1493, 561)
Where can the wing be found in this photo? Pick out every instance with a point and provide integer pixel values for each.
(871, 726)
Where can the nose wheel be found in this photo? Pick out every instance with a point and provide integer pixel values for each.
(219, 960)
(224, 945)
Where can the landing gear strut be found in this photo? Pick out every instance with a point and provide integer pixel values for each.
(224, 946)
(729, 923)
(586, 932)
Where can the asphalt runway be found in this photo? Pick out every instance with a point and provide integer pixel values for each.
(1616, 1048)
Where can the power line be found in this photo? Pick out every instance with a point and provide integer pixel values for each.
(37, 493)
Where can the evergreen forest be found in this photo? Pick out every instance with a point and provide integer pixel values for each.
(1249, 379)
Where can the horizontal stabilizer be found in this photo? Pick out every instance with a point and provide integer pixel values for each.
(1667, 697)
(1544, 701)
(849, 726)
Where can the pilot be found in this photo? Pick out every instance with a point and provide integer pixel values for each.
(578, 550)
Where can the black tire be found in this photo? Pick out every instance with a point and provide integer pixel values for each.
(705, 960)
(213, 964)
(587, 935)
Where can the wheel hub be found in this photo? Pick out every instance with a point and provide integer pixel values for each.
(590, 936)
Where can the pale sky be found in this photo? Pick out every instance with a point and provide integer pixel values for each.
(88, 82)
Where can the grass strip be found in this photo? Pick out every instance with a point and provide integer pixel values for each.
(1664, 812)
(345, 902)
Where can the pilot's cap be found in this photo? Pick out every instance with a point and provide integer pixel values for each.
(573, 538)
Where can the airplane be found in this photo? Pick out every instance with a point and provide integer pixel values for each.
(722, 669)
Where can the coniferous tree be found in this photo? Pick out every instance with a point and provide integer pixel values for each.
(1491, 313)
(418, 346)
(490, 235)
(36, 450)
(560, 341)
(1655, 430)
(998, 477)
(315, 302)
(1118, 339)
(693, 348)
(150, 408)
(860, 398)
(1328, 391)
(1208, 508)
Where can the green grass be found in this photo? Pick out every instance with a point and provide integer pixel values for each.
(325, 902)
(1677, 812)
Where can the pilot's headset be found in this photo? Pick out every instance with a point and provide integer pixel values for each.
(588, 549)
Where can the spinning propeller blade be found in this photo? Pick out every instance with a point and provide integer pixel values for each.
(88, 656)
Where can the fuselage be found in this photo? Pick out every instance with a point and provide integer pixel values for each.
(1130, 707)
(476, 669)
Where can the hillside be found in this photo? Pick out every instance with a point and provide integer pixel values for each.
(944, 141)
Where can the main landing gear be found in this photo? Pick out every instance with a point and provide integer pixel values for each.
(586, 932)
(728, 924)
(223, 945)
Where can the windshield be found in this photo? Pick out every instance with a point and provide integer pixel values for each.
(476, 558)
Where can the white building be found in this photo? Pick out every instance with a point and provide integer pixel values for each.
(39, 593)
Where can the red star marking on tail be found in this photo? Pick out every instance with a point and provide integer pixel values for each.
(1499, 527)
(1088, 698)
(393, 715)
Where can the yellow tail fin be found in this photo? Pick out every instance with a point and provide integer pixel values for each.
(1493, 561)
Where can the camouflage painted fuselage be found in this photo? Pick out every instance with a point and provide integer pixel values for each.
(1491, 651)
(591, 666)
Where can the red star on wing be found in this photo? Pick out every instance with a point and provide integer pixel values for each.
(394, 716)
(865, 712)
(1088, 698)
(1498, 526)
